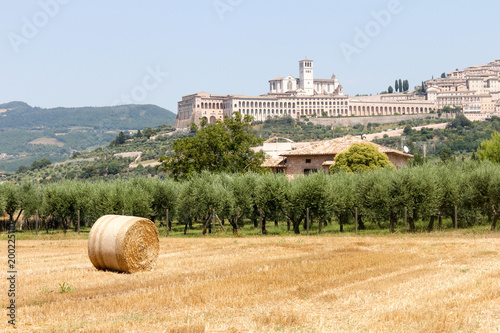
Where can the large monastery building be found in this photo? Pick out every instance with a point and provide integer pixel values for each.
(308, 96)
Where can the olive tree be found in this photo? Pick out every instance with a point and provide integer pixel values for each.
(270, 194)
(341, 188)
(241, 198)
(308, 193)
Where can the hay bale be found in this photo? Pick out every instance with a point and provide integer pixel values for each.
(123, 243)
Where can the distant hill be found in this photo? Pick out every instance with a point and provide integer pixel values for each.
(30, 133)
(17, 115)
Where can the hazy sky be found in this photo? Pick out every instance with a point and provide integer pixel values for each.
(95, 53)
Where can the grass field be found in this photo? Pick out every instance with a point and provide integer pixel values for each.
(416, 283)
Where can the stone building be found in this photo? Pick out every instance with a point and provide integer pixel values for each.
(475, 89)
(294, 97)
(320, 155)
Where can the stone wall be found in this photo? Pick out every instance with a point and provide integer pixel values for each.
(297, 164)
(398, 160)
(351, 121)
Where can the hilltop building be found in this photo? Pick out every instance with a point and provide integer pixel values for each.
(476, 89)
(295, 97)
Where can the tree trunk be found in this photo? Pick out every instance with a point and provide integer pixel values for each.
(392, 222)
(296, 227)
(186, 226)
(320, 225)
(288, 225)
(430, 227)
(440, 222)
(494, 223)
(207, 224)
(276, 223)
(263, 230)
(17, 218)
(234, 223)
(255, 217)
(361, 224)
(411, 222)
(64, 225)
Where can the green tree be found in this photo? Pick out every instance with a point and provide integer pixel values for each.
(400, 85)
(148, 132)
(446, 155)
(18, 200)
(241, 199)
(342, 188)
(490, 149)
(305, 193)
(12, 201)
(2, 201)
(164, 196)
(36, 165)
(22, 169)
(390, 90)
(406, 85)
(481, 190)
(270, 194)
(443, 75)
(221, 147)
(396, 85)
(360, 157)
(120, 139)
(459, 121)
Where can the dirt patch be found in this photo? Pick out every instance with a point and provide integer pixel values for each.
(47, 141)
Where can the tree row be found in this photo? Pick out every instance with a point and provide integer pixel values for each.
(383, 197)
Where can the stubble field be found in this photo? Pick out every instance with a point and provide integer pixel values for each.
(436, 283)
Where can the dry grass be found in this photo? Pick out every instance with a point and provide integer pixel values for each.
(275, 284)
(47, 141)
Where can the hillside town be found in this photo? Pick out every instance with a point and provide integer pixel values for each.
(475, 90)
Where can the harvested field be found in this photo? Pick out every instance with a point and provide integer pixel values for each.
(47, 141)
(435, 283)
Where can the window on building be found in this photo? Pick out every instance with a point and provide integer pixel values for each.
(308, 160)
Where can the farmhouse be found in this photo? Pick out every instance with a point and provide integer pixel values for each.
(318, 156)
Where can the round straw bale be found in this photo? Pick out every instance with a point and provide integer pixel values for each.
(123, 243)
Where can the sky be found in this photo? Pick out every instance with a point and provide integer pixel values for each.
(75, 53)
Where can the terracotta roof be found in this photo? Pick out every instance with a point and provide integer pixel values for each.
(279, 162)
(336, 146)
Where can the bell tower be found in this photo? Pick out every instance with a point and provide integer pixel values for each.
(306, 71)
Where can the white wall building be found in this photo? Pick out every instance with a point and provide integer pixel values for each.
(476, 89)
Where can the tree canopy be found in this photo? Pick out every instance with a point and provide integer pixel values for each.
(361, 157)
(220, 147)
(490, 149)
